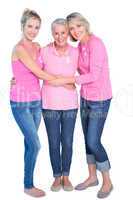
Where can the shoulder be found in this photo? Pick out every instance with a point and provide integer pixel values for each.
(44, 52)
(37, 45)
(18, 48)
(48, 49)
(96, 42)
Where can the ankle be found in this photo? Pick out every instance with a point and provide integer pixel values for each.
(65, 178)
(108, 183)
(93, 177)
(57, 179)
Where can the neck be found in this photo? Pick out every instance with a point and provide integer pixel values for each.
(61, 49)
(27, 42)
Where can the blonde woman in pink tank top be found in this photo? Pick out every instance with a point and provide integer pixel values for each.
(25, 95)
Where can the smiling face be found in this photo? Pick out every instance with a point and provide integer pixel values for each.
(60, 34)
(31, 28)
(77, 29)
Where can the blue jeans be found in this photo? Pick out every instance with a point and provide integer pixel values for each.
(93, 116)
(60, 128)
(28, 117)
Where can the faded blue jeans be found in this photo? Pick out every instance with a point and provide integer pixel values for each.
(93, 117)
(60, 128)
(28, 117)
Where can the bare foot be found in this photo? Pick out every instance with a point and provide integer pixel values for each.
(34, 192)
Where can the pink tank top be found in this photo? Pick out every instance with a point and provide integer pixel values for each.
(27, 87)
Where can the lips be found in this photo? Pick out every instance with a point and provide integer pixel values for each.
(32, 35)
(61, 41)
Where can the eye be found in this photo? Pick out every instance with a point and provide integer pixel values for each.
(78, 25)
(29, 26)
(37, 27)
(71, 28)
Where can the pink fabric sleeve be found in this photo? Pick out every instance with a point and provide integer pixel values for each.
(96, 60)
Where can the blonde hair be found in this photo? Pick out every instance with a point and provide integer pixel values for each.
(79, 17)
(27, 14)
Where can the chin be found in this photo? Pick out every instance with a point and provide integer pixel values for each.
(62, 45)
(29, 38)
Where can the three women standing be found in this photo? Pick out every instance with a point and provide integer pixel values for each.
(60, 110)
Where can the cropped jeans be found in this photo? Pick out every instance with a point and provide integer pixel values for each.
(93, 117)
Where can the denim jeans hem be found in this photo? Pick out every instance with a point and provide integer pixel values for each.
(57, 175)
(103, 166)
(26, 186)
(65, 173)
(90, 159)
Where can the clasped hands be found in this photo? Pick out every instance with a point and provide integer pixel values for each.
(62, 81)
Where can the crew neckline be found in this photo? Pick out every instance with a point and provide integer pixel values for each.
(66, 53)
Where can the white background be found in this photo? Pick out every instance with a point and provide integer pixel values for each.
(110, 20)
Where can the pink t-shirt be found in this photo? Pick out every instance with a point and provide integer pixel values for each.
(59, 98)
(94, 72)
(27, 87)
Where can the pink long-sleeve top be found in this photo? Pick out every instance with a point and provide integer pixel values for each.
(59, 98)
(27, 87)
(94, 72)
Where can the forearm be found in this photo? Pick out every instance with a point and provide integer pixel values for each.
(69, 80)
(38, 72)
(89, 77)
(24, 56)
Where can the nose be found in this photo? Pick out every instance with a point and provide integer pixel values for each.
(60, 37)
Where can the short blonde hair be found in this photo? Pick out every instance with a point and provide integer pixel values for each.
(27, 14)
(79, 17)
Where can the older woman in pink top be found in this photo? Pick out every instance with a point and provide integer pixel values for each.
(60, 104)
(96, 96)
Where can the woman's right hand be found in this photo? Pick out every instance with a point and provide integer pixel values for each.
(70, 86)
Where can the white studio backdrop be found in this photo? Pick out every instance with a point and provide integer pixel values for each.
(111, 21)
